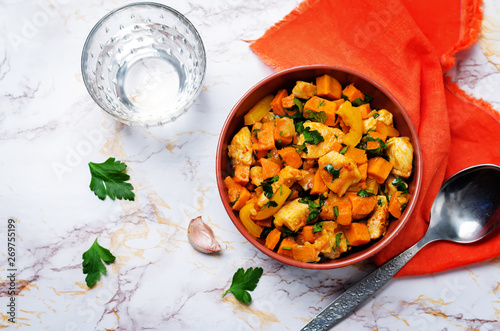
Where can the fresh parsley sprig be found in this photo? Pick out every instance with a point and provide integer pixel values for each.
(244, 281)
(400, 185)
(109, 179)
(332, 171)
(92, 264)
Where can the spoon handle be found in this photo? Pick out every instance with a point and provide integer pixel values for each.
(361, 291)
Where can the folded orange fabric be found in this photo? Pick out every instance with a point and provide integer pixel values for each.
(406, 46)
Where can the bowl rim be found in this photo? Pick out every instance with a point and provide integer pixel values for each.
(99, 24)
(374, 248)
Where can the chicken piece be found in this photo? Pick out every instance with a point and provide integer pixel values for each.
(371, 122)
(332, 140)
(293, 215)
(326, 241)
(337, 250)
(240, 150)
(389, 187)
(269, 117)
(306, 182)
(379, 220)
(287, 176)
(348, 173)
(304, 90)
(400, 152)
(256, 177)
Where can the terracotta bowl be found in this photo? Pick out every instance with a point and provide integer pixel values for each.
(382, 98)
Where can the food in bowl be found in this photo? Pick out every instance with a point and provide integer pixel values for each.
(317, 171)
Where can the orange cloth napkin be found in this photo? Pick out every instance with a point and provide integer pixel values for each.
(405, 45)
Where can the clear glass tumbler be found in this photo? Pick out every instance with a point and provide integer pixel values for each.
(144, 63)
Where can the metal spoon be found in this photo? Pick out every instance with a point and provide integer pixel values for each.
(466, 209)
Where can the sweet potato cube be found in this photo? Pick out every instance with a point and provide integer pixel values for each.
(317, 104)
(286, 247)
(241, 174)
(379, 169)
(365, 110)
(277, 103)
(356, 154)
(269, 168)
(357, 234)
(352, 93)
(290, 157)
(328, 87)
(361, 206)
(263, 136)
(319, 185)
(273, 238)
(284, 131)
(305, 253)
(307, 234)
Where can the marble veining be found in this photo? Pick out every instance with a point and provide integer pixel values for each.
(50, 129)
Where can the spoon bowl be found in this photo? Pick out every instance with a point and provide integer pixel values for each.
(466, 209)
(467, 206)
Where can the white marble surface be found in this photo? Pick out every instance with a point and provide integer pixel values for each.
(50, 129)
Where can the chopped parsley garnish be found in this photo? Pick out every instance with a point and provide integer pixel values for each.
(270, 204)
(380, 202)
(266, 186)
(318, 227)
(310, 136)
(365, 193)
(287, 232)
(400, 185)
(376, 115)
(300, 148)
(336, 211)
(358, 102)
(343, 150)
(338, 238)
(286, 248)
(378, 150)
(332, 171)
(299, 104)
(319, 116)
(314, 208)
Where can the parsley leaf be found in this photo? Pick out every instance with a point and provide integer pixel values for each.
(92, 264)
(108, 178)
(380, 202)
(332, 171)
(343, 150)
(318, 227)
(244, 281)
(310, 136)
(270, 204)
(285, 231)
(376, 115)
(266, 186)
(365, 193)
(314, 208)
(358, 102)
(319, 116)
(338, 238)
(336, 211)
(400, 185)
(378, 150)
(299, 104)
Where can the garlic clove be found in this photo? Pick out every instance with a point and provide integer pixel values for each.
(202, 237)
